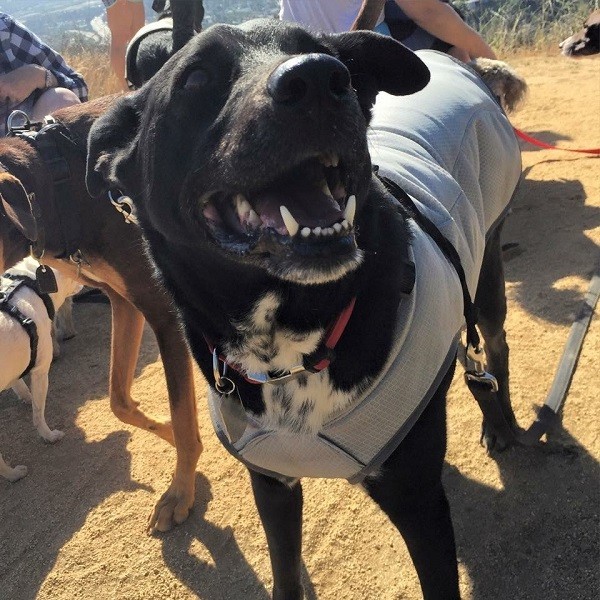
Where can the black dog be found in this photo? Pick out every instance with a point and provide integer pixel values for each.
(294, 267)
(153, 44)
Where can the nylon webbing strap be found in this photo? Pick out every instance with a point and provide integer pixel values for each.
(68, 211)
(32, 285)
(447, 249)
(27, 323)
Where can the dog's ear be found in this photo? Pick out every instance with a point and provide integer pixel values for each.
(378, 63)
(18, 206)
(112, 145)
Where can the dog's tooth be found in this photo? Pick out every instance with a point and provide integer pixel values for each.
(290, 223)
(324, 159)
(253, 219)
(330, 230)
(242, 205)
(325, 189)
(350, 209)
(305, 232)
(317, 231)
(335, 159)
(345, 224)
(337, 227)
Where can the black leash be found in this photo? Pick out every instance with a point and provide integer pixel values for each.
(482, 384)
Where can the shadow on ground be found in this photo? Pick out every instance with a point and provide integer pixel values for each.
(532, 556)
(550, 210)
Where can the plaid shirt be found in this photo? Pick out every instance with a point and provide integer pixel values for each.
(18, 47)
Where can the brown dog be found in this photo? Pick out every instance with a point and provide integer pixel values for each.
(110, 256)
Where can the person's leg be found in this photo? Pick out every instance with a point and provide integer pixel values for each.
(51, 100)
(124, 18)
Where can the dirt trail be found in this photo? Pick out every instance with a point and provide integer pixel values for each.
(526, 521)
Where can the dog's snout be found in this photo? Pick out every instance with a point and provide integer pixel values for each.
(308, 77)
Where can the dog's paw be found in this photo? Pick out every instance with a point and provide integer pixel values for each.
(297, 593)
(53, 435)
(16, 473)
(492, 441)
(172, 509)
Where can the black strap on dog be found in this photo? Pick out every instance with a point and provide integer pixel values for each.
(28, 324)
(49, 142)
(32, 284)
(482, 385)
(449, 251)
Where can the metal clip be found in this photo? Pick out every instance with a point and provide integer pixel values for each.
(12, 116)
(124, 205)
(484, 378)
(475, 359)
(223, 384)
(476, 368)
(78, 259)
(266, 378)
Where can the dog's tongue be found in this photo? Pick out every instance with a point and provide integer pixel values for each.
(310, 206)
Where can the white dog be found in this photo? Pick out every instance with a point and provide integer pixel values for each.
(20, 351)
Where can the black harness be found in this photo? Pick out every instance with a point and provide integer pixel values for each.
(50, 142)
(6, 293)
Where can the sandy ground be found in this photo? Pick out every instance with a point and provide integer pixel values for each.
(526, 521)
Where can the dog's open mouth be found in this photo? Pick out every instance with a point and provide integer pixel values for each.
(307, 210)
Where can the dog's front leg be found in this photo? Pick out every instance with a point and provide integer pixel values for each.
(12, 473)
(491, 303)
(39, 391)
(280, 509)
(409, 490)
(175, 504)
(128, 323)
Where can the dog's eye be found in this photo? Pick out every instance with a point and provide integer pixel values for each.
(196, 79)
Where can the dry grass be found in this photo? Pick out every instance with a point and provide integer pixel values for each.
(94, 65)
(511, 25)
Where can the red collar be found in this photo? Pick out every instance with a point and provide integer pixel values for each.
(318, 360)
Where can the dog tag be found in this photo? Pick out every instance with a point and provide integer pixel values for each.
(45, 280)
(233, 415)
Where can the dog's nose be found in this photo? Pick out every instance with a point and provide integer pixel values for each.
(307, 77)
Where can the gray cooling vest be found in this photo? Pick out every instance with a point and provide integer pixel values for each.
(449, 147)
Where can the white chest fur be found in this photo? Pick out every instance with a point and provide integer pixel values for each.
(301, 404)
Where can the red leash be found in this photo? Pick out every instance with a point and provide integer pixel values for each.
(535, 142)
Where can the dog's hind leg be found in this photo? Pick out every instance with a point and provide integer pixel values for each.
(39, 391)
(175, 504)
(280, 510)
(409, 490)
(20, 388)
(127, 329)
(490, 300)
(10, 473)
